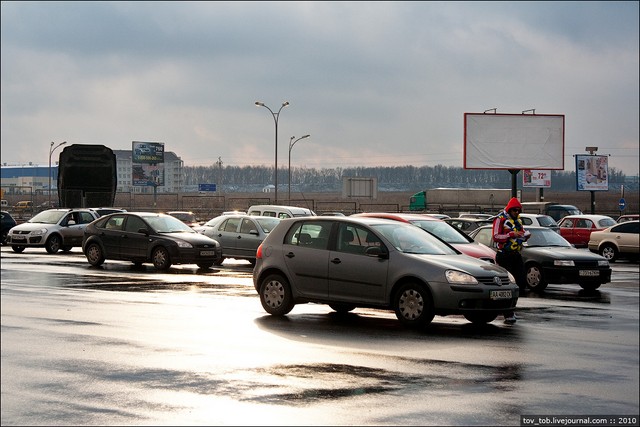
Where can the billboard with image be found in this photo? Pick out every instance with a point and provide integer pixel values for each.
(592, 172)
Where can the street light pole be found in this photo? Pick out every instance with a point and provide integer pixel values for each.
(275, 119)
(291, 144)
(51, 150)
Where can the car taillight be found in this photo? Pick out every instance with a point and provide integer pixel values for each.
(259, 252)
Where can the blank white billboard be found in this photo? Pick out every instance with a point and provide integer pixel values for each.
(513, 141)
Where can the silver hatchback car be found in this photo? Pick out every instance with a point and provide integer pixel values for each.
(349, 262)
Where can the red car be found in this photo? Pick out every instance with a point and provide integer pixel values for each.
(577, 229)
(442, 230)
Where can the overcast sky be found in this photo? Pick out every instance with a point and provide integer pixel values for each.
(373, 83)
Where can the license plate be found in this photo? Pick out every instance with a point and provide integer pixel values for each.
(207, 253)
(18, 239)
(500, 294)
(589, 273)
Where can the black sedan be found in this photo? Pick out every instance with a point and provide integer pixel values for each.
(549, 258)
(148, 237)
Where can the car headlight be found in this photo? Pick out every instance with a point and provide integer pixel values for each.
(39, 232)
(511, 278)
(460, 278)
(182, 244)
(603, 263)
(564, 263)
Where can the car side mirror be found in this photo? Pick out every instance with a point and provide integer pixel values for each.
(143, 231)
(376, 251)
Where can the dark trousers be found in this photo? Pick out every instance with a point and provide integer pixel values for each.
(512, 262)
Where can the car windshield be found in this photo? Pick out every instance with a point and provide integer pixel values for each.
(546, 237)
(48, 217)
(184, 216)
(442, 230)
(268, 224)
(168, 224)
(405, 239)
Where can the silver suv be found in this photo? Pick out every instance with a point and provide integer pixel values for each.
(53, 229)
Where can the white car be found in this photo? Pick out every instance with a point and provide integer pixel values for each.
(539, 220)
(53, 229)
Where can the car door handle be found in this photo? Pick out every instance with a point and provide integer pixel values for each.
(336, 261)
(239, 237)
(290, 255)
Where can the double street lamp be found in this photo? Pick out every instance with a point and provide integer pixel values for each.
(291, 144)
(275, 119)
(51, 150)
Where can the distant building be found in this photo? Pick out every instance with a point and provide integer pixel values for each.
(34, 179)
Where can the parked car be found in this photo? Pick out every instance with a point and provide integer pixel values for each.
(578, 228)
(618, 241)
(8, 222)
(53, 229)
(238, 235)
(539, 220)
(279, 211)
(349, 262)
(468, 224)
(442, 230)
(23, 206)
(630, 217)
(187, 217)
(436, 215)
(142, 237)
(550, 258)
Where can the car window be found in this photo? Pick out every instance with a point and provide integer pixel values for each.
(484, 236)
(268, 224)
(112, 223)
(134, 224)
(627, 227)
(566, 223)
(312, 234)
(547, 221)
(606, 222)
(231, 225)
(86, 218)
(246, 226)
(526, 221)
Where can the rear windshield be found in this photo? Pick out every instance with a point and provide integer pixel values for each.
(547, 221)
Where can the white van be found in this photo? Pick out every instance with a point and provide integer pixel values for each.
(5, 204)
(279, 211)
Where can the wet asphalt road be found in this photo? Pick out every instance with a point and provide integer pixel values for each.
(120, 345)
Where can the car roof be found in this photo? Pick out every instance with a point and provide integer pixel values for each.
(587, 216)
(396, 216)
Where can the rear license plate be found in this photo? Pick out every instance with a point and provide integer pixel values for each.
(207, 253)
(589, 273)
(500, 294)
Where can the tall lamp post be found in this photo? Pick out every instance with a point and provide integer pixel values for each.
(51, 150)
(291, 144)
(275, 119)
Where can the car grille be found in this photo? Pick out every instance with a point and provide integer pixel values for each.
(504, 280)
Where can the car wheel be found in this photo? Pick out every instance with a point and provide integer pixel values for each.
(413, 305)
(342, 308)
(160, 258)
(4, 237)
(219, 262)
(589, 286)
(205, 265)
(94, 254)
(535, 278)
(275, 295)
(18, 249)
(609, 252)
(53, 244)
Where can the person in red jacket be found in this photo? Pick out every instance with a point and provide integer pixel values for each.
(508, 236)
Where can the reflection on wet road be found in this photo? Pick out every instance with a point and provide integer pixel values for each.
(125, 345)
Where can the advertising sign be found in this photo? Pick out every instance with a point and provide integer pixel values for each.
(592, 172)
(145, 175)
(536, 178)
(147, 152)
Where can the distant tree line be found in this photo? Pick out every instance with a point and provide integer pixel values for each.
(396, 178)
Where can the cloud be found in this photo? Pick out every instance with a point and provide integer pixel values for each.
(374, 83)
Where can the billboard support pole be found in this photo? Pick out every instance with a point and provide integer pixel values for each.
(514, 182)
